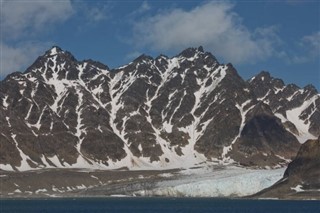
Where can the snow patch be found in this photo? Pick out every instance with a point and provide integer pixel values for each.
(38, 124)
(81, 187)
(29, 111)
(5, 102)
(298, 188)
(8, 121)
(166, 175)
(303, 126)
(293, 95)
(264, 97)
(6, 167)
(277, 90)
(53, 51)
(284, 159)
(40, 191)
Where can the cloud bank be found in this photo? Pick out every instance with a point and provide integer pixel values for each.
(20, 17)
(15, 58)
(213, 25)
(306, 49)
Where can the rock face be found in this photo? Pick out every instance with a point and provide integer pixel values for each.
(305, 168)
(302, 177)
(152, 113)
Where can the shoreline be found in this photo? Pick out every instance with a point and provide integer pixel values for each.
(215, 182)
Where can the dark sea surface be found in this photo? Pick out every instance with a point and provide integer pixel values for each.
(165, 205)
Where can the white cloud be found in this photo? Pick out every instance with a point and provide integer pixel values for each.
(312, 41)
(306, 50)
(22, 20)
(144, 7)
(213, 25)
(19, 58)
(140, 11)
(96, 14)
(20, 17)
(133, 55)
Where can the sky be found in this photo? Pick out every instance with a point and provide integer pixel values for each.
(279, 36)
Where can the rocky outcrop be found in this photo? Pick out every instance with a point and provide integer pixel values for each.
(302, 177)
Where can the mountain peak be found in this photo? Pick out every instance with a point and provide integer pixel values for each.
(311, 88)
(200, 49)
(53, 51)
(96, 64)
(56, 50)
(142, 57)
(264, 75)
(190, 52)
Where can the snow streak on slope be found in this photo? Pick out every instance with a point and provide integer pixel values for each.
(4, 102)
(192, 156)
(130, 160)
(243, 113)
(24, 162)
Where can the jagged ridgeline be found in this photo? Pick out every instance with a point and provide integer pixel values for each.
(153, 113)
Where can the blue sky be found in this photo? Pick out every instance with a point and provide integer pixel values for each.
(282, 37)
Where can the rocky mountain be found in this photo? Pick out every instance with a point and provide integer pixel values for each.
(152, 113)
(302, 177)
(297, 108)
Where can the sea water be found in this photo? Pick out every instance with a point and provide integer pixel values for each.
(165, 205)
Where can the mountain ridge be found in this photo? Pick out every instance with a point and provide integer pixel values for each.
(152, 113)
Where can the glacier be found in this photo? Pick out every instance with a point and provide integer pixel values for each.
(231, 181)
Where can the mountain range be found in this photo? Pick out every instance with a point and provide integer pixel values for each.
(153, 113)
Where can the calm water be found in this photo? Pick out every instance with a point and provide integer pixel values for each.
(166, 205)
